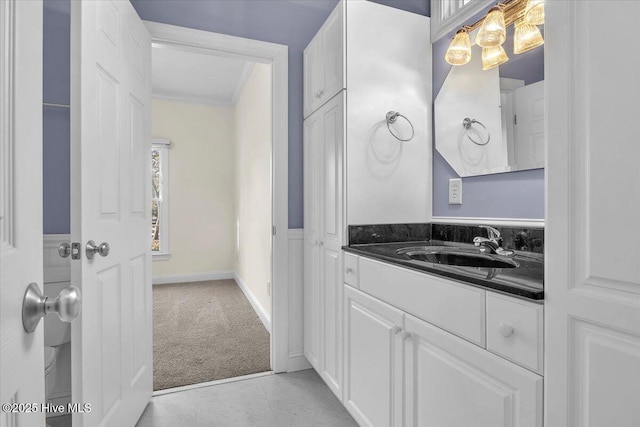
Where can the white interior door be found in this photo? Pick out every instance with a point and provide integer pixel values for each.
(529, 146)
(592, 282)
(110, 197)
(22, 354)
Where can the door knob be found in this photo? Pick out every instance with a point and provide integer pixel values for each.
(64, 250)
(92, 249)
(67, 305)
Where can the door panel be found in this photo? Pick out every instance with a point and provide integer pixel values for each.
(592, 283)
(21, 353)
(373, 360)
(111, 111)
(332, 54)
(312, 136)
(453, 383)
(331, 306)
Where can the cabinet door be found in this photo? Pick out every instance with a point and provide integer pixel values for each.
(312, 223)
(331, 241)
(373, 360)
(453, 383)
(313, 75)
(332, 56)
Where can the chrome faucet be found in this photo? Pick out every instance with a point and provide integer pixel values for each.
(492, 243)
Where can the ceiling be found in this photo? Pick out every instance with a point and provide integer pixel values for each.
(192, 77)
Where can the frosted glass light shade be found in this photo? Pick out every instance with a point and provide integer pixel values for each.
(459, 52)
(526, 37)
(534, 12)
(493, 31)
(493, 56)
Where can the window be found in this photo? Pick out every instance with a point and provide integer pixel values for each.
(160, 199)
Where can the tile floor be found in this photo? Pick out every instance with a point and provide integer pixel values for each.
(297, 399)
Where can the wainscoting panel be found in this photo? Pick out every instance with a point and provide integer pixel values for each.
(296, 360)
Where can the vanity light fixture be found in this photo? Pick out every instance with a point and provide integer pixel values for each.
(459, 52)
(526, 36)
(526, 14)
(493, 56)
(534, 12)
(493, 31)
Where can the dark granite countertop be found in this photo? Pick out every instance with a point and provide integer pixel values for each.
(526, 280)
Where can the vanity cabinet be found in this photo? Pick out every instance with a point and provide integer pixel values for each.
(405, 370)
(324, 63)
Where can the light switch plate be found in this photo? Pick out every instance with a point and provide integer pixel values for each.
(455, 191)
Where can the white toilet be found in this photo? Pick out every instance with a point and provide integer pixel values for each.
(56, 334)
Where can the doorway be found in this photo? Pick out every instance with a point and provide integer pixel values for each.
(211, 216)
(259, 183)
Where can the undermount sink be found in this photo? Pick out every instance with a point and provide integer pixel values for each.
(456, 256)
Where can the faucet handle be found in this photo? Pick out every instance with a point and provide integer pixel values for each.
(494, 234)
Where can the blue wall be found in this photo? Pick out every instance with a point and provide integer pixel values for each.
(55, 150)
(289, 22)
(506, 195)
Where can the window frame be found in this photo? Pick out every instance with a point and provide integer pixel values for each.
(163, 145)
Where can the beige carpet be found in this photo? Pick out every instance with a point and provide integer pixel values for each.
(205, 331)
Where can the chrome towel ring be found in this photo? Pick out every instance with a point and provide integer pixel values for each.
(392, 116)
(467, 123)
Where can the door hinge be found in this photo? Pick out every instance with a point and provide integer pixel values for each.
(75, 250)
(273, 230)
(515, 119)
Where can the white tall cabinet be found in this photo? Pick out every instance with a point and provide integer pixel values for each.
(355, 171)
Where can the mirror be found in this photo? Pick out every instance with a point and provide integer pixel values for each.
(492, 121)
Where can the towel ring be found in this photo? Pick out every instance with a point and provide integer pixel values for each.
(392, 116)
(467, 123)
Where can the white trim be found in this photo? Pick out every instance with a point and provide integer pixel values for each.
(160, 256)
(193, 277)
(205, 42)
(296, 234)
(242, 81)
(506, 222)
(265, 318)
(211, 383)
(455, 21)
(298, 362)
(161, 141)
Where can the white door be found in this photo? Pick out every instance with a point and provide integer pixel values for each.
(529, 128)
(111, 170)
(312, 215)
(372, 360)
(330, 161)
(22, 354)
(592, 283)
(451, 382)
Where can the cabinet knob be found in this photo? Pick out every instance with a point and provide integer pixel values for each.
(396, 330)
(315, 243)
(349, 270)
(506, 330)
(321, 243)
(405, 335)
(321, 92)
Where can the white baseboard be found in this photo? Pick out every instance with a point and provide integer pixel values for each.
(297, 362)
(259, 309)
(193, 277)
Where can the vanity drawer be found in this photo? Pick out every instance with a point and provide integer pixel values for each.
(515, 330)
(457, 308)
(351, 269)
